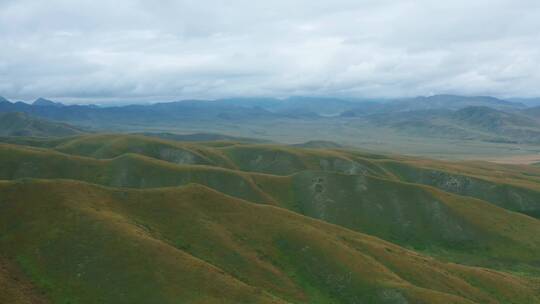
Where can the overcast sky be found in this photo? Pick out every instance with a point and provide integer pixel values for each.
(91, 50)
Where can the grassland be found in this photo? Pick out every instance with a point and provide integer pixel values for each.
(75, 239)
(133, 219)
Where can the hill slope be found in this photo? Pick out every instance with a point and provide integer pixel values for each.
(211, 248)
(512, 187)
(252, 223)
(328, 185)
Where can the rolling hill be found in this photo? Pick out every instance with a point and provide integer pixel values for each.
(210, 248)
(236, 222)
(511, 187)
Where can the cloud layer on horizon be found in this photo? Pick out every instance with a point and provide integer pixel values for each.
(157, 50)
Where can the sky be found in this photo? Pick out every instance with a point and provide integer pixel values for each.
(129, 50)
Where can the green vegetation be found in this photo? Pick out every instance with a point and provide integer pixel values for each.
(16, 286)
(130, 219)
(73, 239)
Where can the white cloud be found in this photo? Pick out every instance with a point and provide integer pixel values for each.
(153, 50)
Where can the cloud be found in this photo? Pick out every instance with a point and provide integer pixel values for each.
(159, 50)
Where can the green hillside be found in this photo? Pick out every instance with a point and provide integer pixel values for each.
(512, 187)
(127, 170)
(254, 223)
(73, 240)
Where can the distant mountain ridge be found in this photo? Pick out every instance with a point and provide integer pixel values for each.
(457, 102)
(474, 122)
(491, 119)
(473, 118)
(436, 102)
(21, 124)
(45, 102)
(530, 102)
(159, 113)
(326, 106)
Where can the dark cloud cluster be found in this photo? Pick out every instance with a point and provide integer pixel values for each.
(158, 50)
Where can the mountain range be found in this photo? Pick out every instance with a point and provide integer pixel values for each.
(480, 119)
(21, 124)
(469, 123)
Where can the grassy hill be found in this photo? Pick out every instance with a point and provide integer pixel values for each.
(20, 124)
(512, 187)
(210, 248)
(257, 223)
